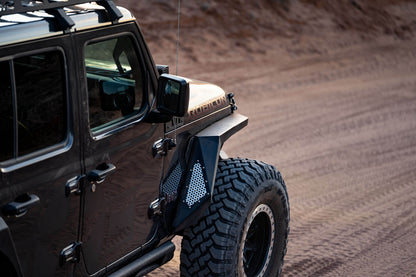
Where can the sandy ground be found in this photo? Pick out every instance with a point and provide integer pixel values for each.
(331, 96)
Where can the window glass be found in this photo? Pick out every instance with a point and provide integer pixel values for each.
(6, 113)
(41, 101)
(115, 81)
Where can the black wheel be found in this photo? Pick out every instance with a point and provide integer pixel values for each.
(244, 231)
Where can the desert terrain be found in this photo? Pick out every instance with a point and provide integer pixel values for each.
(330, 91)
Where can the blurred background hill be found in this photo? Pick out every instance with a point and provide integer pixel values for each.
(230, 30)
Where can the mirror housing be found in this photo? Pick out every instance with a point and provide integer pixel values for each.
(162, 69)
(172, 95)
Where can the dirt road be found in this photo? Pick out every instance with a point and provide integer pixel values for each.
(342, 130)
(335, 112)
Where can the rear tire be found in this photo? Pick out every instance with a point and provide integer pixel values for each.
(244, 231)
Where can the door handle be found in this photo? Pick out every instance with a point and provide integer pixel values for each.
(20, 205)
(99, 174)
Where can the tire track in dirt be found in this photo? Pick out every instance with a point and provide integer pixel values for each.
(285, 110)
(343, 228)
(341, 127)
(349, 154)
(282, 126)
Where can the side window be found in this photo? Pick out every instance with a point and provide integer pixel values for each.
(115, 81)
(6, 113)
(41, 108)
(39, 91)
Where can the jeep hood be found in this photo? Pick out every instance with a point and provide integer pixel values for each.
(207, 104)
(204, 99)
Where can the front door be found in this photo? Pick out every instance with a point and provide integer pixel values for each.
(118, 148)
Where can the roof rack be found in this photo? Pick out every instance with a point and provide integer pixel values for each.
(55, 8)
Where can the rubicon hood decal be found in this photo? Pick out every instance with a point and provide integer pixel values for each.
(204, 98)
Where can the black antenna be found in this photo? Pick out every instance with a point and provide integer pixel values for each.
(177, 62)
(177, 39)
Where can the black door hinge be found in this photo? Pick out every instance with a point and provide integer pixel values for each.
(73, 186)
(70, 254)
(156, 207)
(162, 146)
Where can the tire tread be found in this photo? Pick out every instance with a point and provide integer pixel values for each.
(206, 246)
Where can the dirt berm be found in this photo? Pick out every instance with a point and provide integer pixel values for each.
(330, 90)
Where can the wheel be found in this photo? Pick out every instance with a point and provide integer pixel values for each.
(244, 231)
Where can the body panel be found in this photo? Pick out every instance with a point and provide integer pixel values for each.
(7, 247)
(52, 224)
(115, 222)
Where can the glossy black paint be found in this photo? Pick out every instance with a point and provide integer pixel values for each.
(7, 248)
(115, 221)
(47, 227)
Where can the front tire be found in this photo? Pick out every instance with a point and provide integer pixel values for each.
(244, 231)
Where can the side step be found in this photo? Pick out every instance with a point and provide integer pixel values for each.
(148, 262)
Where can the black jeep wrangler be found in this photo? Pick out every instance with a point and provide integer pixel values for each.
(105, 157)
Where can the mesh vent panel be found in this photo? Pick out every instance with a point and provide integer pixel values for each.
(170, 186)
(197, 188)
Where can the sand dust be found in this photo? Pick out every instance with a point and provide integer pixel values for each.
(330, 90)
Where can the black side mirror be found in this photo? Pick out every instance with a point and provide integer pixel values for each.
(172, 95)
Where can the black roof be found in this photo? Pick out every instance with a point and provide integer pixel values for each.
(54, 8)
(39, 23)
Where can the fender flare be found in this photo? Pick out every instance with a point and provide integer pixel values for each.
(7, 247)
(198, 185)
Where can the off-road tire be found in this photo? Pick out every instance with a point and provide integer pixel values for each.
(248, 218)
